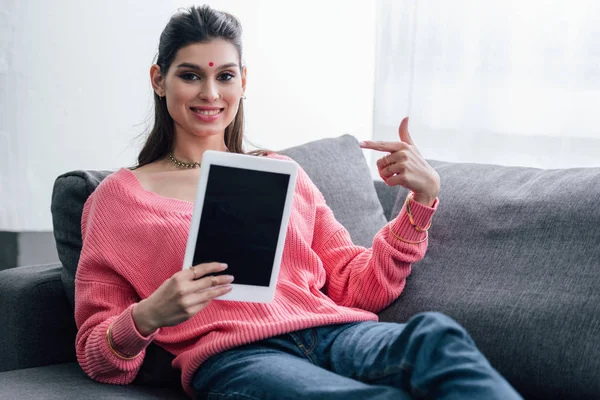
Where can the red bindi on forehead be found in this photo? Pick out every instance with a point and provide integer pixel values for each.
(210, 64)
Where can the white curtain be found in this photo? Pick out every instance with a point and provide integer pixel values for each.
(502, 82)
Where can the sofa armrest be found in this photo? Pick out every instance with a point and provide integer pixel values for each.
(37, 319)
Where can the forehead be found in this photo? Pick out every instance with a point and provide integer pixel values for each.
(217, 51)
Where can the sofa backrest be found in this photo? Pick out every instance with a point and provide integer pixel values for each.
(69, 195)
(514, 256)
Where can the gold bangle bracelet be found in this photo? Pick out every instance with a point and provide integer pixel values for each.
(111, 346)
(407, 241)
(410, 217)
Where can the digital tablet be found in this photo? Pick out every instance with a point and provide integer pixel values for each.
(240, 218)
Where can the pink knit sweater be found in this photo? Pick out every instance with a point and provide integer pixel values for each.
(133, 240)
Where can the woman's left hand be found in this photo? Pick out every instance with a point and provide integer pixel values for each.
(404, 166)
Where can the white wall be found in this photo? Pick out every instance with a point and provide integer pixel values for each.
(75, 92)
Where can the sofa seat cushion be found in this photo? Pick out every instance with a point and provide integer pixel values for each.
(68, 381)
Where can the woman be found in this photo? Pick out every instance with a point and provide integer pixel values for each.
(319, 338)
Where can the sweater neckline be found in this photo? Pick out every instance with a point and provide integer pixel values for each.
(150, 198)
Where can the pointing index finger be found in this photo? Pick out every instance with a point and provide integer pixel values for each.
(381, 145)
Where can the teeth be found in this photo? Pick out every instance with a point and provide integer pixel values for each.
(206, 112)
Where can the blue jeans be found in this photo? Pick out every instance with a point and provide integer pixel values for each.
(429, 357)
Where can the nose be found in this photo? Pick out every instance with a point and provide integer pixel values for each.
(209, 92)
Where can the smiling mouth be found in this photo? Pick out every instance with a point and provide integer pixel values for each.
(207, 112)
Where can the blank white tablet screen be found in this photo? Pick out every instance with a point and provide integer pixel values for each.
(240, 222)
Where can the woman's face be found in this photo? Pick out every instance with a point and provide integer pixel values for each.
(203, 87)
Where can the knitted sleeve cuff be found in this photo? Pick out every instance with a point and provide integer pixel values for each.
(125, 336)
(421, 214)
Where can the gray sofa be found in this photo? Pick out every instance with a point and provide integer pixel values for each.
(514, 256)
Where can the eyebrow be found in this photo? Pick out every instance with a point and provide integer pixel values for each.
(198, 68)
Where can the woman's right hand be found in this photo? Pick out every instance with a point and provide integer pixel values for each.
(181, 297)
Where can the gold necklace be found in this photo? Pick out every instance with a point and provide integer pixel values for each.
(182, 164)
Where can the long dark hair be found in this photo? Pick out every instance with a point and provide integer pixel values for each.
(194, 25)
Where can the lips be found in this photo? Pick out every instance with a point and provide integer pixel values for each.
(207, 114)
(207, 111)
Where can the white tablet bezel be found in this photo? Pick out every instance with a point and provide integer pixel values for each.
(248, 293)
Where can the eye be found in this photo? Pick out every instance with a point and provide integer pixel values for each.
(188, 76)
(226, 76)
